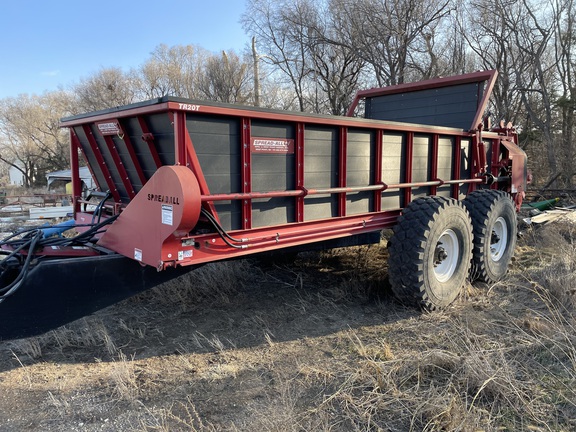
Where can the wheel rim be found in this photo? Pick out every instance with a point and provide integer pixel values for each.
(446, 255)
(498, 239)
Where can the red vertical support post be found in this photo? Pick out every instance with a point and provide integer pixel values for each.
(179, 119)
(495, 160)
(342, 153)
(300, 170)
(75, 166)
(408, 167)
(378, 169)
(134, 158)
(456, 166)
(246, 170)
(148, 138)
(434, 164)
(120, 166)
(101, 163)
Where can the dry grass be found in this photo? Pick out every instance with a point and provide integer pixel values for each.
(315, 345)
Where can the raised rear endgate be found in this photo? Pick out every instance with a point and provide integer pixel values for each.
(182, 183)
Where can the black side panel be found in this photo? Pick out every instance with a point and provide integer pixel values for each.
(273, 172)
(453, 106)
(360, 170)
(393, 162)
(445, 163)
(320, 171)
(217, 144)
(421, 163)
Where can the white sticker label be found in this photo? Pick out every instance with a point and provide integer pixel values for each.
(167, 214)
(137, 254)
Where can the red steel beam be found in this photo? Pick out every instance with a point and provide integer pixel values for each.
(120, 166)
(246, 170)
(409, 149)
(75, 167)
(456, 166)
(342, 153)
(148, 138)
(299, 161)
(180, 134)
(434, 163)
(134, 159)
(101, 163)
(337, 190)
(378, 169)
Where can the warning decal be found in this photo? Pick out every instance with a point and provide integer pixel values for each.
(167, 218)
(272, 145)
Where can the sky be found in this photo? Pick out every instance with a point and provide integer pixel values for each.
(45, 45)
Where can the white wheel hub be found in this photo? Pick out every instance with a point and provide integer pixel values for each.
(446, 255)
(498, 239)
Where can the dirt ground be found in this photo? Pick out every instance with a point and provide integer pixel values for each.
(316, 344)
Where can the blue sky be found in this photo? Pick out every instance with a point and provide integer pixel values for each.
(47, 44)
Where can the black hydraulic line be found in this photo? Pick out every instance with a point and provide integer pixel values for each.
(219, 227)
(98, 210)
(12, 287)
(32, 242)
(222, 232)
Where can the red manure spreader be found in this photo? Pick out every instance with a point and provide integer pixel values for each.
(183, 183)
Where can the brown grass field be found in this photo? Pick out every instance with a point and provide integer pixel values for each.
(316, 345)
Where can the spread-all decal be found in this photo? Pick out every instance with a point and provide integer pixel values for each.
(165, 199)
(110, 127)
(272, 145)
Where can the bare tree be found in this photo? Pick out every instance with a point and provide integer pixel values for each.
(565, 62)
(225, 78)
(107, 88)
(387, 34)
(172, 71)
(278, 40)
(30, 137)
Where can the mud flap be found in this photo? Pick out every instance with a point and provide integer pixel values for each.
(60, 291)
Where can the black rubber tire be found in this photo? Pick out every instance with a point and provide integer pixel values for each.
(413, 252)
(491, 210)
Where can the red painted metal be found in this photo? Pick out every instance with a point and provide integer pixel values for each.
(180, 134)
(101, 162)
(120, 166)
(75, 170)
(152, 225)
(456, 166)
(409, 153)
(246, 170)
(299, 161)
(342, 180)
(134, 158)
(148, 138)
(434, 163)
(378, 170)
(207, 248)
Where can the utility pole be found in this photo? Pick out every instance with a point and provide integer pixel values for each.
(256, 73)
